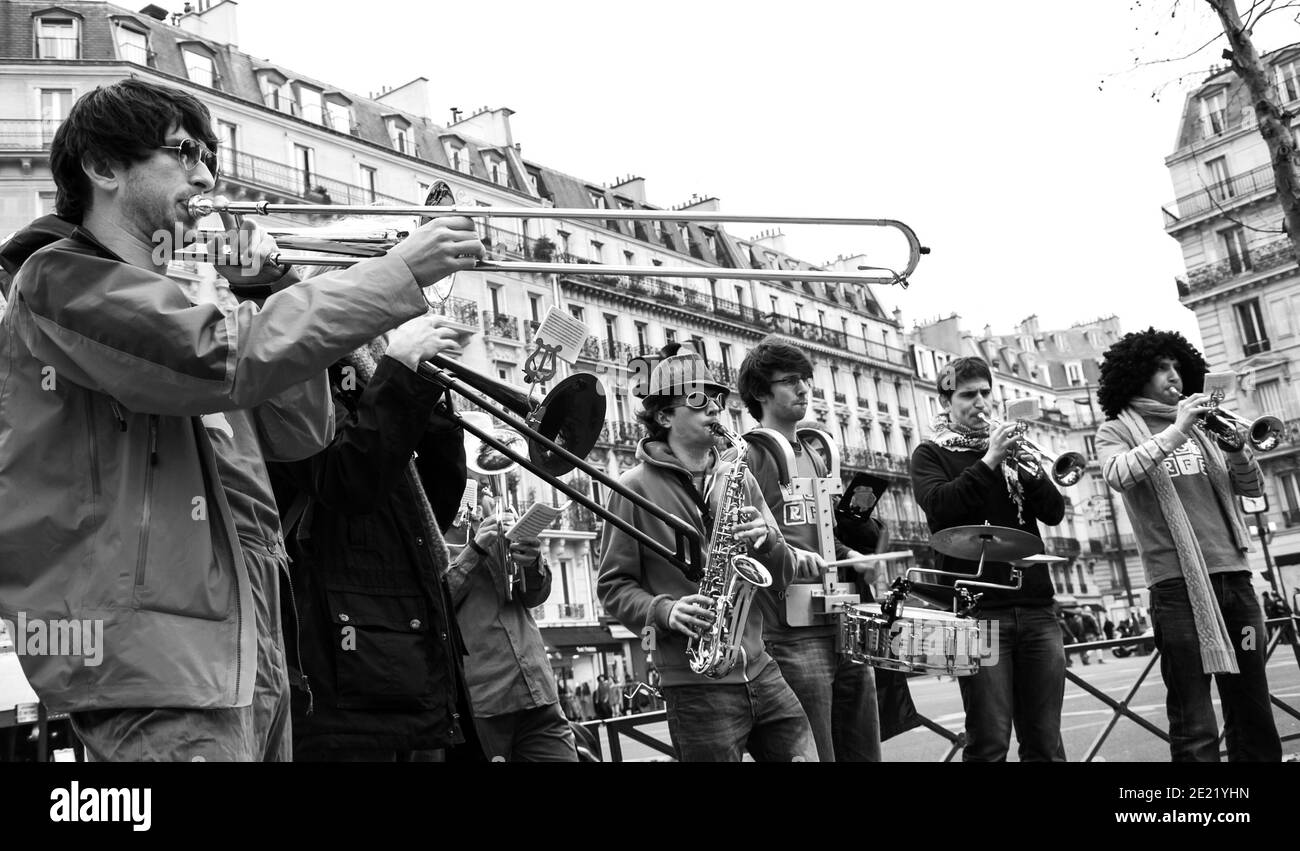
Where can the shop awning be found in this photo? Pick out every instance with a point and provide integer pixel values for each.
(578, 636)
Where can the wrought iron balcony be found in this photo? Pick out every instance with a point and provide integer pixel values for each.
(501, 325)
(908, 531)
(841, 398)
(838, 340)
(725, 374)
(27, 134)
(864, 403)
(1227, 192)
(819, 393)
(262, 173)
(552, 612)
(460, 310)
(905, 413)
(1068, 547)
(1259, 257)
(50, 47)
(882, 407)
(860, 458)
(579, 518)
(615, 433)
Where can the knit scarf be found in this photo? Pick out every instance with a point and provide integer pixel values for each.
(956, 437)
(1217, 656)
(364, 361)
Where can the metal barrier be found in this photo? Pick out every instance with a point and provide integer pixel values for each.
(627, 725)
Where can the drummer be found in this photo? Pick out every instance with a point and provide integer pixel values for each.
(966, 474)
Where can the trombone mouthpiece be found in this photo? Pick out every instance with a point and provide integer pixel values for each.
(200, 206)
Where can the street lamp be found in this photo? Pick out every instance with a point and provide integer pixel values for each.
(1110, 506)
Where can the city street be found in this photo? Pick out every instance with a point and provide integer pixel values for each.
(1083, 719)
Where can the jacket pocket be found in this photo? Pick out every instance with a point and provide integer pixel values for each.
(381, 649)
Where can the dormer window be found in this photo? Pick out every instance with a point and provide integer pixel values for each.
(1214, 113)
(399, 133)
(274, 95)
(597, 199)
(132, 45)
(338, 112)
(457, 155)
(311, 103)
(496, 169)
(199, 66)
(58, 38)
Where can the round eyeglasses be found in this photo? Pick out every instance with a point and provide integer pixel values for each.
(191, 152)
(698, 400)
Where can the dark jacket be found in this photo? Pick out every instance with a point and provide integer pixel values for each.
(375, 634)
(955, 489)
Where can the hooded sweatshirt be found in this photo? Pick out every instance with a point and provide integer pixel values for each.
(638, 586)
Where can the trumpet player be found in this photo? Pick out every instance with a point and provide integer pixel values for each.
(969, 472)
(1178, 486)
(680, 469)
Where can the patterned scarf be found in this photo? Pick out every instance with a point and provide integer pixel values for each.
(955, 437)
(1217, 655)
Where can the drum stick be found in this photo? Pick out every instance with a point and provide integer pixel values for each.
(872, 557)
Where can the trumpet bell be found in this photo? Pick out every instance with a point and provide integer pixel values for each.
(1069, 469)
(1266, 433)
(572, 415)
(751, 571)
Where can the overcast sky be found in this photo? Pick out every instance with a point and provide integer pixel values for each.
(1014, 137)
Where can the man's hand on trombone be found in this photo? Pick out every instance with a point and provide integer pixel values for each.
(440, 247)
(423, 337)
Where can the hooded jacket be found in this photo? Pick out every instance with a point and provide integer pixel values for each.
(113, 510)
(638, 586)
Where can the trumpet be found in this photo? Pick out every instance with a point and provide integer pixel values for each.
(1263, 433)
(1066, 469)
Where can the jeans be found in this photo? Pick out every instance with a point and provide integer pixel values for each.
(837, 694)
(540, 734)
(1024, 686)
(1247, 714)
(716, 723)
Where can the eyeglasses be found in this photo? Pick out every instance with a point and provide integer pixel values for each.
(793, 381)
(191, 152)
(699, 400)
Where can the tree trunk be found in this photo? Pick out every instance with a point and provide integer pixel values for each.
(1272, 120)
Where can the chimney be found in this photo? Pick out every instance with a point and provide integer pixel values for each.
(219, 22)
(411, 98)
(988, 332)
(701, 205)
(632, 187)
(773, 239)
(489, 125)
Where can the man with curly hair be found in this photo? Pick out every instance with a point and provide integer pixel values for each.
(1178, 486)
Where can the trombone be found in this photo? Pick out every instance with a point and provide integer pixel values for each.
(200, 206)
(1066, 469)
(560, 431)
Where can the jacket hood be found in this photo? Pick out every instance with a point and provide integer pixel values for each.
(15, 250)
(656, 452)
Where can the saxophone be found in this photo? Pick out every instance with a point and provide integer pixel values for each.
(730, 577)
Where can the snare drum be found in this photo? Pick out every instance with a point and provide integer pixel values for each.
(920, 640)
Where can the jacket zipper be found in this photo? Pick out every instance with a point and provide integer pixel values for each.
(297, 631)
(148, 500)
(94, 457)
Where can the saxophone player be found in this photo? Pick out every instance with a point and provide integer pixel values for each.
(751, 707)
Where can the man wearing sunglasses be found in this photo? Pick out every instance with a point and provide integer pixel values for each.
(134, 429)
(838, 694)
(680, 469)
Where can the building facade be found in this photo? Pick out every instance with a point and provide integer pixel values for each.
(1242, 280)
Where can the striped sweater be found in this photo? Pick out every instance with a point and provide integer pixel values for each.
(1127, 467)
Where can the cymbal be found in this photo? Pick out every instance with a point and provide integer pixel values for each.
(1030, 561)
(998, 543)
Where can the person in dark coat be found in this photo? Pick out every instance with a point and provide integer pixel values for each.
(371, 638)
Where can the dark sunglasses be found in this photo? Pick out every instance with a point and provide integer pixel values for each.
(191, 153)
(700, 399)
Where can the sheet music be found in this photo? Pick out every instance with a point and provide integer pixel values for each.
(558, 328)
(540, 516)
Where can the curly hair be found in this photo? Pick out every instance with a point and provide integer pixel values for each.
(1131, 361)
(961, 370)
(766, 359)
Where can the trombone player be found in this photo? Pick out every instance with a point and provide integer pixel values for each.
(1178, 487)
